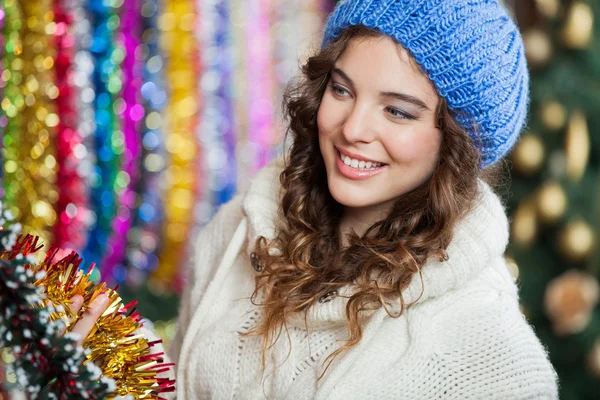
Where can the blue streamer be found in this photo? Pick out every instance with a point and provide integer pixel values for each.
(105, 21)
(145, 235)
(224, 40)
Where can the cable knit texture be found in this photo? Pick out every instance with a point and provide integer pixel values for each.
(471, 50)
(464, 338)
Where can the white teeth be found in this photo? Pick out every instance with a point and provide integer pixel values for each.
(359, 164)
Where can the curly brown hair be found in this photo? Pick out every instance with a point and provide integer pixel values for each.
(309, 260)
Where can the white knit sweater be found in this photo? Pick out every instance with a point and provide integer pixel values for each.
(464, 338)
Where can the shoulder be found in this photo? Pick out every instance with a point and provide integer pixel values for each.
(221, 225)
(485, 337)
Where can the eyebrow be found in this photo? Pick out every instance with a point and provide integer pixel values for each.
(398, 96)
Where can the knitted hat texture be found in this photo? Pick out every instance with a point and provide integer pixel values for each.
(471, 50)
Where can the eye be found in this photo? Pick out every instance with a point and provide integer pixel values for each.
(338, 90)
(397, 114)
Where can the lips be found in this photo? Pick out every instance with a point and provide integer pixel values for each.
(355, 173)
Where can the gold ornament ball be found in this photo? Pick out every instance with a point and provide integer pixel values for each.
(538, 47)
(577, 146)
(548, 8)
(552, 202)
(524, 226)
(577, 241)
(528, 155)
(579, 25)
(554, 115)
(569, 300)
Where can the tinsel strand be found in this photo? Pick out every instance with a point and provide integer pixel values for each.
(261, 84)
(107, 59)
(239, 79)
(181, 53)
(2, 117)
(35, 176)
(144, 237)
(83, 69)
(216, 128)
(12, 100)
(224, 176)
(131, 113)
(73, 191)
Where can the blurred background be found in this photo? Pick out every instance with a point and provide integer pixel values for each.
(125, 124)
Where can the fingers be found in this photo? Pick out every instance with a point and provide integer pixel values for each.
(76, 303)
(75, 306)
(90, 316)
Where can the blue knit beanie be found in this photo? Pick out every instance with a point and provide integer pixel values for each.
(470, 49)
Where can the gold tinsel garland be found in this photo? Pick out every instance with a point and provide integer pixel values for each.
(122, 353)
(30, 163)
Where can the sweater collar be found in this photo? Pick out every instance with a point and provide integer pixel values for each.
(261, 202)
(479, 237)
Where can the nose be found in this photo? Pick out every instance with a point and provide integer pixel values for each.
(359, 125)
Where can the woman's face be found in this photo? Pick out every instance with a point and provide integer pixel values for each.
(376, 123)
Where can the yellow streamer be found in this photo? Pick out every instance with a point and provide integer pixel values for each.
(180, 47)
(30, 164)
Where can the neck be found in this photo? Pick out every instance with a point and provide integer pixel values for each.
(359, 219)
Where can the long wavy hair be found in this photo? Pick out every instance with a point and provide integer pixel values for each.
(309, 261)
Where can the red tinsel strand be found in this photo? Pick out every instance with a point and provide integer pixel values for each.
(73, 200)
(25, 245)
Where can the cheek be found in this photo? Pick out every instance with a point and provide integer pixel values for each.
(329, 116)
(415, 147)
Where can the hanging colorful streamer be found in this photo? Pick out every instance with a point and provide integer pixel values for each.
(144, 237)
(85, 153)
(2, 83)
(258, 130)
(296, 25)
(2, 117)
(224, 178)
(239, 92)
(181, 56)
(131, 113)
(137, 119)
(72, 186)
(216, 131)
(107, 58)
(285, 31)
(12, 101)
(261, 84)
(30, 164)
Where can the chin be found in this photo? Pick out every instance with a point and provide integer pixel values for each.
(352, 197)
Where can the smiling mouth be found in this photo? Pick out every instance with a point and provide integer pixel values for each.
(359, 164)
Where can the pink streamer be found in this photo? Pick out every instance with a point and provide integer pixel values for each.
(132, 114)
(261, 132)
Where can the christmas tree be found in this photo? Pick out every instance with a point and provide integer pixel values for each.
(555, 188)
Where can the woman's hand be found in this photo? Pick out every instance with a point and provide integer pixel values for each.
(83, 327)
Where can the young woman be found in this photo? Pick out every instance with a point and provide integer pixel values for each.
(367, 262)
